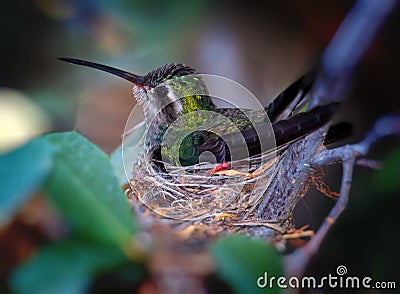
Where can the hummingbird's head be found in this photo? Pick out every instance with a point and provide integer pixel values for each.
(172, 90)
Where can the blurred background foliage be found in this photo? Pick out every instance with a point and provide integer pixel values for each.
(262, 45)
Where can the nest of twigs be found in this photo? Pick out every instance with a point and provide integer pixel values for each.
(224, 201)
(201, 191)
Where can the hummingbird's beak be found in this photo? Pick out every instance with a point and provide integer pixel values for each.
(137, 80)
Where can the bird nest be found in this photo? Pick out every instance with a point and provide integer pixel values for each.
(203, 191)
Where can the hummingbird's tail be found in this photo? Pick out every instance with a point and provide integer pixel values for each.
(303, 123)
(293, 96)
(338, 132)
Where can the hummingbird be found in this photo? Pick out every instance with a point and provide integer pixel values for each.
(170, 92)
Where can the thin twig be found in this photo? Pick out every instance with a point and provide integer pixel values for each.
(297, 262)
(369, 163)
(260, 224)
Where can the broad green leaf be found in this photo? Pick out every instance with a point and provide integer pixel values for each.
(66, 267)
(387, 179)
(86, 191)
(241, 261)
(22, 172)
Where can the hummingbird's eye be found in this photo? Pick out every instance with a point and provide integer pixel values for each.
(161, 91)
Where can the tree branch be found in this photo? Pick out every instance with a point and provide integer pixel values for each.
(348, 154)
(347, 47)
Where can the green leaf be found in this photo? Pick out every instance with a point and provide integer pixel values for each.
(86, 191)
(66, 267)
(387, 179)
(22, 172)
(241, 261)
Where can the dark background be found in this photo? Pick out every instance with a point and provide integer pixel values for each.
(263, 46)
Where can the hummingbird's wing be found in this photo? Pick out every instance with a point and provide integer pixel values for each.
(241, 137)
(303, 123)
(284, 131)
